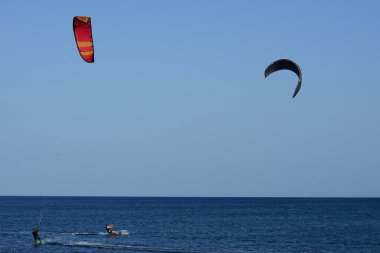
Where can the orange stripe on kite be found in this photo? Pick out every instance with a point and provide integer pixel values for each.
(84, 44)
(83, 37)
(83, 19)
(87, 53)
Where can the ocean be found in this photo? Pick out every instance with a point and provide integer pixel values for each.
(76, 224)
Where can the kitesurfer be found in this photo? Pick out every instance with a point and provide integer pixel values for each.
(37, 239)
(109, 230)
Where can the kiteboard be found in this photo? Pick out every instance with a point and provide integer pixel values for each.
(39, 243)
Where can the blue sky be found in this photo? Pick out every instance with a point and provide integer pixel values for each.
(176, 103)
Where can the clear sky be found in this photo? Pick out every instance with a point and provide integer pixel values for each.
(176, 103)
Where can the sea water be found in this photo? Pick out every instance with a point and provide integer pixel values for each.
(76, 224)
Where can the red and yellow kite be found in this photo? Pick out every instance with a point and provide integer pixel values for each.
(83, 37)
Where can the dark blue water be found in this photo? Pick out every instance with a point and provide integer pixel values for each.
(76, 224)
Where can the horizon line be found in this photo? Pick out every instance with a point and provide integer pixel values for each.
(108, 196)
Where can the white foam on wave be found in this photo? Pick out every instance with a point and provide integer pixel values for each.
(139, 248)
(85, 243)
(88, 244)
(79, 233)
(124, 232)
(75, 233)
(99, 245)
(47, 240)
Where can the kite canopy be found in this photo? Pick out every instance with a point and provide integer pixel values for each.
(83, 37)
(285, 64)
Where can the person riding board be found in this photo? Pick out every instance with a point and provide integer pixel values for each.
(109, 230)
(37, 239)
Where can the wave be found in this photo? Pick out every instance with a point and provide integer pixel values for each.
(123, 232)
(85, 244)
(12, 233)
(78, 233)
